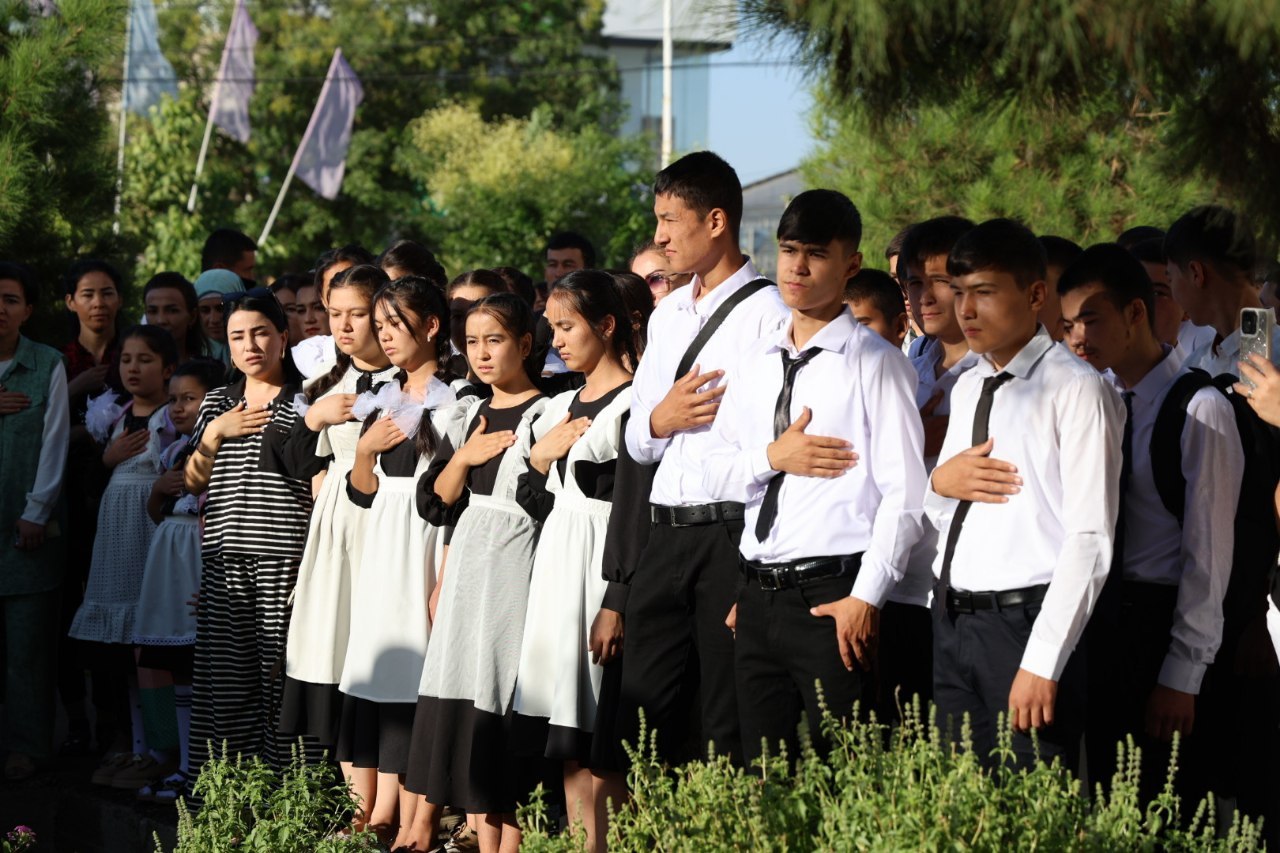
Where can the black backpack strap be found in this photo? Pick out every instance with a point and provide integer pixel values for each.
(717, 318)
(1166, 441)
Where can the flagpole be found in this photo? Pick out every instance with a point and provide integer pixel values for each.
(124, 112)
(306, 135)
(275, 209)
(213, 105)
(204, 150)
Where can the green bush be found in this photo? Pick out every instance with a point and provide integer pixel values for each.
(248, 806)
(916, 792)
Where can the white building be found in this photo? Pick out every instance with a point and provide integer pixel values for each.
(633, 31)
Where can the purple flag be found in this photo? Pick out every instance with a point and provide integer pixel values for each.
(322, 155)
(229, 103)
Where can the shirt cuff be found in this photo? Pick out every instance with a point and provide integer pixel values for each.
(615, 597)
(761, 471)
(649, 449)
(1181, 675)
(873, 585)
(1044, 659)
(37, 512)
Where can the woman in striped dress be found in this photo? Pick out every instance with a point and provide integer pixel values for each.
(255, 528)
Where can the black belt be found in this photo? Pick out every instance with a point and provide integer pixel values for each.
(773, 577)
(692, 515)
(959, 601)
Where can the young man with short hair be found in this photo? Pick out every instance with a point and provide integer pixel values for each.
(1167, 315)
(1024, 501)
(686, 575)
(875, 300)
(906, 654)
(229, 249)
(566, 251)
(1211, 253)
(1169, 573)
(1059, 252)
(818, 433)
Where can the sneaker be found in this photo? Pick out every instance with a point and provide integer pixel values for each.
(111, 764)
(78, 740)
(463, 840)
(450, 818)
(166, 791)
(142, 770)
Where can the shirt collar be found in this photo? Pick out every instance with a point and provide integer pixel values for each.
(1024, 363)
(1158, 378)
(746, 273)
(833, 337)
(25, 353)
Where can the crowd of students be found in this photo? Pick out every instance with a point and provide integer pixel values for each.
(462, 533)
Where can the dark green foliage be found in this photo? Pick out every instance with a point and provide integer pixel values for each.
(915, 793)
(1203, 77)
(248, 806)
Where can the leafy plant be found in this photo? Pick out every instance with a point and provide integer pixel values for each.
(248, 806)
(18, 839)
(908, 789)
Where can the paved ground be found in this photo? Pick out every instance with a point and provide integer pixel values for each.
(70, 815)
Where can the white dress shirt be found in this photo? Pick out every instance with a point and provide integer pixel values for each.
(916, 586)
(1192, 337)
(1060, 423)
(860, 388)
(672, 327)
(1225, 357)
(54, 436)
(1196, 558)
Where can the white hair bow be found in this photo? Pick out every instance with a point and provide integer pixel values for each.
(102, 415)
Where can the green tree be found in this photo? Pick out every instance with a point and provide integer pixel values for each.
(496, 189)
(1086, 174)
(1208, 70)
(498, 57)
(57, 172)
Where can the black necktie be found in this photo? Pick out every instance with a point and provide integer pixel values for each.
(781, 420)
(1126, 473)
(981, 427)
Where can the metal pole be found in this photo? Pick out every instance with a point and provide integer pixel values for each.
(275, 209)
(124, 112)
(668, 51)
(204, 149)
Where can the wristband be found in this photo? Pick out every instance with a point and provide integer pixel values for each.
(200, 449)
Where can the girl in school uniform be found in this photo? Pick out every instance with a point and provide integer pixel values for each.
(459, 755)
(165, 627)
(325, 434)
(568, 488)
(404, 423)
(255, 527)
(135, 434)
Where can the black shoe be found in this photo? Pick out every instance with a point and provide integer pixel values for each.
(78, 741)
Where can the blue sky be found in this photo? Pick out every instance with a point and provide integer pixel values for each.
(758, 114)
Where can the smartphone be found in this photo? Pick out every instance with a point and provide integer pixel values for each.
(1256, 325)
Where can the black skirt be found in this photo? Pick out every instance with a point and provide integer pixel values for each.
(375, 734)
(461, 756)
(178, 660)
(311, 710)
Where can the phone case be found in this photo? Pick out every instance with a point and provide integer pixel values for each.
(1259, 343)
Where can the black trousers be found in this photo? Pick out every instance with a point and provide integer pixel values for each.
(904, 661)
(685, 584)
(781, 654)
(1125, 655)
(975, 658)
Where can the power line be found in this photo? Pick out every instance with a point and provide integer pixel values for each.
(461, 75)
